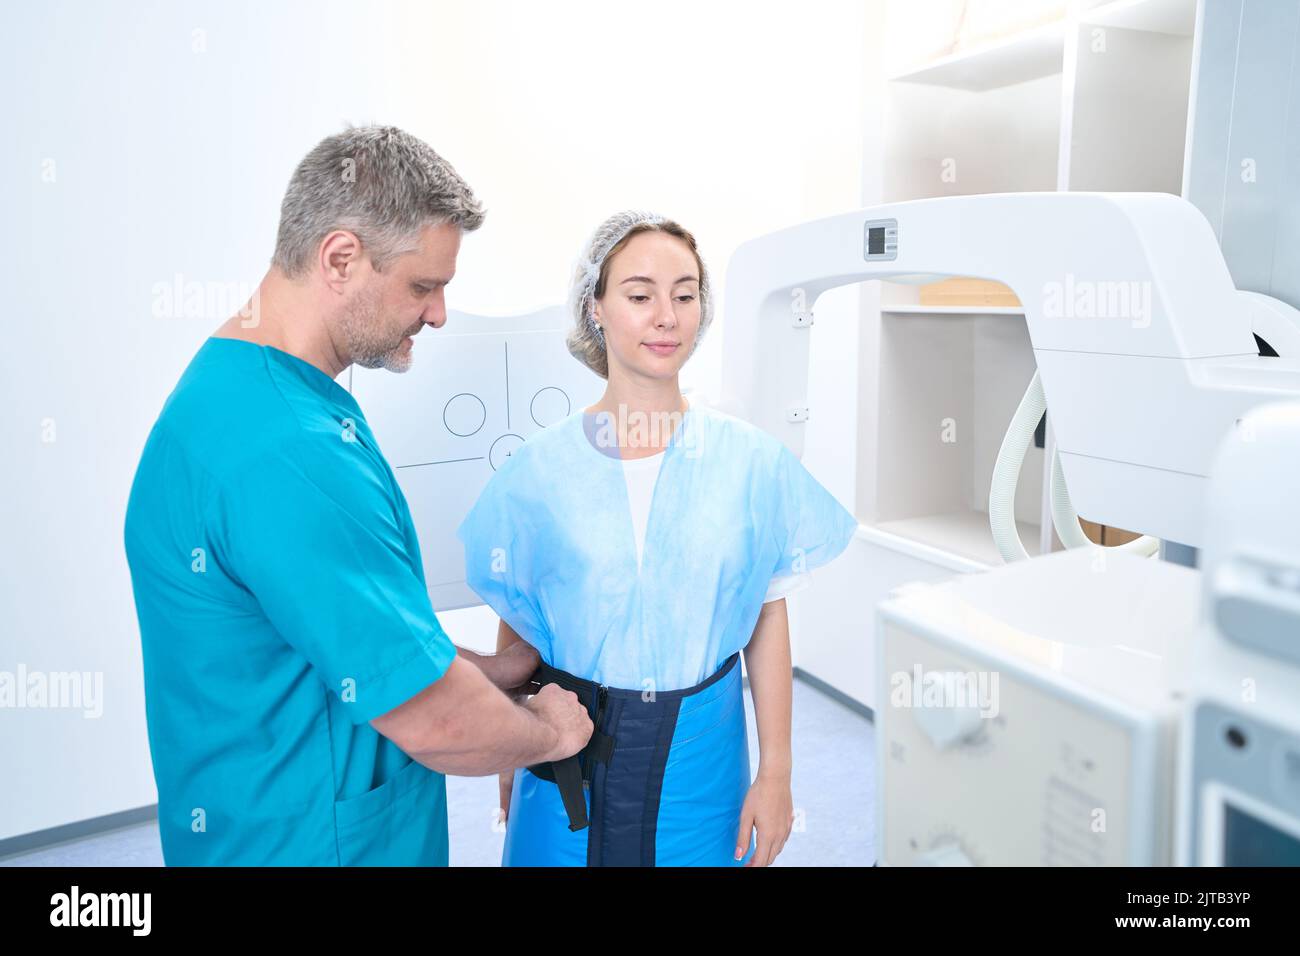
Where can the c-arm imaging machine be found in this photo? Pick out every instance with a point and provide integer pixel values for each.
(1035, 713)
(1144, 345)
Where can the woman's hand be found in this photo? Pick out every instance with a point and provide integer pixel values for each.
(769, 809)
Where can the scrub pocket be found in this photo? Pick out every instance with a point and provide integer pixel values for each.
(402, 822)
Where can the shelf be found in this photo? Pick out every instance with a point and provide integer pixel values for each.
(1017, 59)
(915, 308)
(1175, 17)
(963, 533)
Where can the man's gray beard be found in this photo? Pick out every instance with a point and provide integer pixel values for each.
(364, 339)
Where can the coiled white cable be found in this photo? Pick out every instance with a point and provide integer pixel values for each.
(1006, 475)
(1006, 472)
(1066, 520)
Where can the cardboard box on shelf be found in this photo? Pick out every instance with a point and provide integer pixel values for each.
(961, 291)
(1103, 535)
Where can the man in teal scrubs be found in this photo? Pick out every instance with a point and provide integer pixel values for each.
(302, 700)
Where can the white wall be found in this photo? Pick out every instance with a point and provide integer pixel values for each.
(150, 140)
(1243, 162)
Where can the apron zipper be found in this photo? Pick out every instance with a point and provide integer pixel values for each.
(590, 768)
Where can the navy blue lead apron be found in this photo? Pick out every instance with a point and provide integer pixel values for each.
(661, 783)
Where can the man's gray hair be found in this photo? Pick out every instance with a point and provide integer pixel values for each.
(379, 182)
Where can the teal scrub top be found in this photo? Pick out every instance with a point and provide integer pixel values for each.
(282, 606)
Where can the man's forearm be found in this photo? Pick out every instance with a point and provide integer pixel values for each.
(489, 734)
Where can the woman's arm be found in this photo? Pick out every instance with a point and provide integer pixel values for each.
(506, 637)
(769, 806)
(511, 666)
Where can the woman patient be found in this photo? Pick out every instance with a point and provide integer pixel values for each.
(640, 545)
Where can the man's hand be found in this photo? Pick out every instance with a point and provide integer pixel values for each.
(508, 669)
(561, 711)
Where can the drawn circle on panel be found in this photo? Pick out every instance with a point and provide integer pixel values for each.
(464, 414)
(503, 448)
(549, 405)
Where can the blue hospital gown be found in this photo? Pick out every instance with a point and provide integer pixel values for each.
(549, 545)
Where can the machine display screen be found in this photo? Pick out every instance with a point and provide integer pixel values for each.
(1249, 841)
(880, 240)
(876, 241)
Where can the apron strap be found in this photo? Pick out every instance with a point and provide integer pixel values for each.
(570, 774)
(568, 777)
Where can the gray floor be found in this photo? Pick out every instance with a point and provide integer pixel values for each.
(834, 793)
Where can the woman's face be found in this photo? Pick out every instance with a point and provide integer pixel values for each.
(651, 307)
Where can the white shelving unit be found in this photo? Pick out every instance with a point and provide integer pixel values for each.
(1095, 100)
(909, 308)
(1016, 59)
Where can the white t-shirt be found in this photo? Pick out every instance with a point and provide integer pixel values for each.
(641, 475)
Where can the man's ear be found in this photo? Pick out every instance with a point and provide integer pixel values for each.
(340, 258)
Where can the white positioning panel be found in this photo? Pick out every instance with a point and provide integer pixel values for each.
(478, 387)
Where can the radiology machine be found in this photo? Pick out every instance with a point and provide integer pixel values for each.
(1144, 345)
(1092, 707)
(1239, 766)
(1035, 713)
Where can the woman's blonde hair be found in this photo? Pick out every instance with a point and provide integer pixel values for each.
(585, 340)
